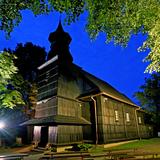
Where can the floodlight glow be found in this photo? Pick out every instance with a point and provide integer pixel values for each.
(2, 125)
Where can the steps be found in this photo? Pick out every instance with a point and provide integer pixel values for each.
(39, 149)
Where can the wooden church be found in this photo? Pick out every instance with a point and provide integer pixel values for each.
(74, 106)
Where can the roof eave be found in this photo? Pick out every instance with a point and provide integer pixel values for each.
(111, 96)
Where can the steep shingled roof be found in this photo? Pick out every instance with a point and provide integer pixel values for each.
(105, 87)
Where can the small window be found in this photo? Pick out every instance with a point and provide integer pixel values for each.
(127, 117)
(139, 120)
(116, 115)
(105, 99)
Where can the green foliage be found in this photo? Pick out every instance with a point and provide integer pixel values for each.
(149, 97)
(29, 57)
(52, 149)
(9, 93)
(82, 147)
(149, 94)
(118, 19)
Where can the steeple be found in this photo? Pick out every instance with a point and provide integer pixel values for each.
(60, 41)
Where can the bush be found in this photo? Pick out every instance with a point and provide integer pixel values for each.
(52, 148)
(82, 147)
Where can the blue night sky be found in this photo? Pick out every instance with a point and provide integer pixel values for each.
(121, 67)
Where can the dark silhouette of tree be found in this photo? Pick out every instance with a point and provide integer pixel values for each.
(29, 57)
(149, 97)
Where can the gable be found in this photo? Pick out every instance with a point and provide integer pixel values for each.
(104, 87)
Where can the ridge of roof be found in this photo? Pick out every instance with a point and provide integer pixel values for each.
(105, 87)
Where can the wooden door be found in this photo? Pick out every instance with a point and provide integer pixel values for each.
(44, 136)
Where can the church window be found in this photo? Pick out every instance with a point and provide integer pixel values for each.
(105, 99)
(116, 115)
(127, 117)
(139, 120)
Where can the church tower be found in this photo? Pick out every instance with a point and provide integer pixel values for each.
(57, 114)
(60, 41)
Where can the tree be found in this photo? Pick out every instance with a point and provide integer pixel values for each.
(118, 19)
(149, 97)
(10, 95)
(29, 57)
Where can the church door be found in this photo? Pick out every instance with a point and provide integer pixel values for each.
(44, 136)
(89, 114)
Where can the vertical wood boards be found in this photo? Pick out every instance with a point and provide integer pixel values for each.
(47, 108)
(52, 134)
(69, 134)
(111, 129)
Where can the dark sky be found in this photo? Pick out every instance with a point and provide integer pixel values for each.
(121, 67)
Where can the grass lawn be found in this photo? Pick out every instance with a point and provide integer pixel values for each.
(152, 144)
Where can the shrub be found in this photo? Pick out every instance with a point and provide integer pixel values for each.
(82, 147)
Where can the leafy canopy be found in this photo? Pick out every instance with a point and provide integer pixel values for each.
(149, 94)
(118, 19)
(29, 57)
(149, 97)
(10, 95)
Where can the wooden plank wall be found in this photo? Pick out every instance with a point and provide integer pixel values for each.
(68, 134)
(48, 108)
(88, 130)
(113, 130)
(47, 81)
(37, 134)
(52, 134)
(145, 130)
(70, 88)
(69, 107)
(68, 91)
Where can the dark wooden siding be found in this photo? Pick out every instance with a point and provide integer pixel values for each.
(131, 126)
(100, 120)
(69, 107)
(68, 91)
(37, 133)
(52, 134)
(47, 81)
(88, 114)
(145, 130)
(111, 129)
(69, 134)
(68, 87)
(46, 108)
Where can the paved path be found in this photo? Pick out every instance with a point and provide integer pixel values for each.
(34, 156)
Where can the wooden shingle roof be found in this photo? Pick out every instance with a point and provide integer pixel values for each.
(106, 87)
(57, 119)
